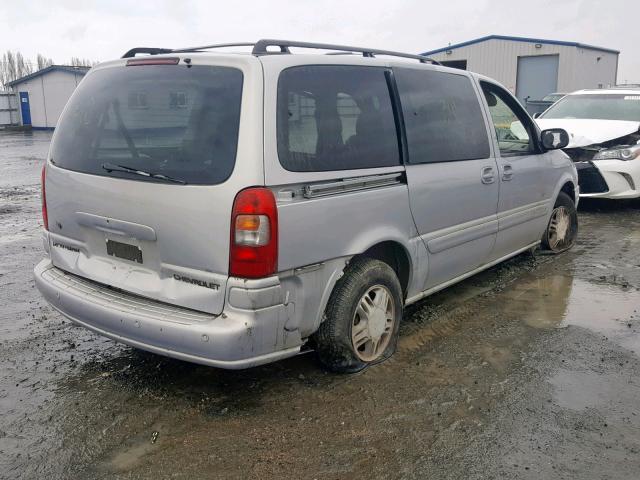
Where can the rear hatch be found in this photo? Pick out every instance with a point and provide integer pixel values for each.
(142, 176)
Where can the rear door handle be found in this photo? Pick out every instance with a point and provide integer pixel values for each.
(507, 173)
(487, 176)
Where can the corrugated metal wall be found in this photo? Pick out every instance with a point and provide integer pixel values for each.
(9, 114)
(498, 59)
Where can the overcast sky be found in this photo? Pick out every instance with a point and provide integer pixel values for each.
(104, 30)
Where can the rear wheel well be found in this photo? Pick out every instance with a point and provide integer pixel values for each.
(570, 190)
(396, 256)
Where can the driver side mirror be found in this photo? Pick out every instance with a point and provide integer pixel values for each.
(554, 138)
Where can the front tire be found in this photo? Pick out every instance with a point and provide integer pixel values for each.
(562, 229)
(362, 317)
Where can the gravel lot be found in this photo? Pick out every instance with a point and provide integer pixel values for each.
(527, 371)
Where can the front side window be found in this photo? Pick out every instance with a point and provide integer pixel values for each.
(442, 116)
(169, 120)
(512, 128)
(334, 117)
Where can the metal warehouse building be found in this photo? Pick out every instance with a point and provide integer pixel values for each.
(43, 94)
(532, 68)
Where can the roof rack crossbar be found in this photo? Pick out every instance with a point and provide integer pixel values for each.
(261, 48)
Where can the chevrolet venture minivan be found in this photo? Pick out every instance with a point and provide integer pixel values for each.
(233, 209)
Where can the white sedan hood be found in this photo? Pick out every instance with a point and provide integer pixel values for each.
(583, 132)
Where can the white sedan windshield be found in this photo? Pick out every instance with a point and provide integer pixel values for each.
(597, 106)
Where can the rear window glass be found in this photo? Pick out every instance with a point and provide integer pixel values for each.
(335, 118)
(177, 122)
(442, 116)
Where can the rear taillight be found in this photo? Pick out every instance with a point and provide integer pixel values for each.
(254, 234)
(45, 216)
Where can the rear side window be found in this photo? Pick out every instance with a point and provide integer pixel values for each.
(169, 120)
(335, 118)
(442, 116)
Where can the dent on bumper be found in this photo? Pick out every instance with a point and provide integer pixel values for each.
(235, 339)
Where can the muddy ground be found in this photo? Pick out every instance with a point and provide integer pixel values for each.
(528, 371)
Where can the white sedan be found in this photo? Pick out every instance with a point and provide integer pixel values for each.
(604, 132)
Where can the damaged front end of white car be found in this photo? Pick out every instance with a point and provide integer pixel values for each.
(606, 154)
(609, 169)
(604, 139)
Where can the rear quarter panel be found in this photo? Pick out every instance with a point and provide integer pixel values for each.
(318, 236)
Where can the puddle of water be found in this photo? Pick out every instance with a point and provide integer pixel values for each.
(559, 301)
(540, 302)
(21, 156)
(556, 301)
(601, 308)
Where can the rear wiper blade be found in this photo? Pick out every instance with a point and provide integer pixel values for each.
(111, 167)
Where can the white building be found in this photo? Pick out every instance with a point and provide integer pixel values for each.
(532, 68)
(43, 94)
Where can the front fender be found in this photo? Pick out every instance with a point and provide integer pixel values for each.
(566, 177)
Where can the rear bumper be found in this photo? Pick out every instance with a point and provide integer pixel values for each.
(238, 338)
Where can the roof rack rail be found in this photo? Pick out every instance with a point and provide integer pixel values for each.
(217, 45)
(261, 48)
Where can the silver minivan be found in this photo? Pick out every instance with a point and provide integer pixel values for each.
(233, 209)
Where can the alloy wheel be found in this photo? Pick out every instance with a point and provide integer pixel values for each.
(373, 323)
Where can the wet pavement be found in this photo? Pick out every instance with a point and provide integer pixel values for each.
(530, 370)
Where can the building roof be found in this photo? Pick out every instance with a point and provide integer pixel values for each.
(519, 39)
(51, 68)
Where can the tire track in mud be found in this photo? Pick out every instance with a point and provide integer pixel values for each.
(446, 313)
